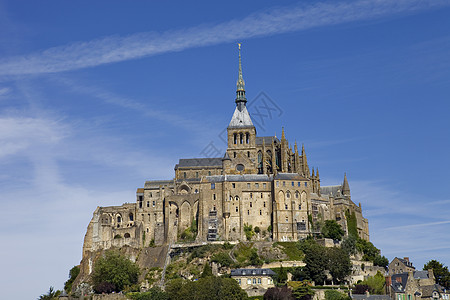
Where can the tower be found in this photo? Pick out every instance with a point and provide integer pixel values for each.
(241, 133)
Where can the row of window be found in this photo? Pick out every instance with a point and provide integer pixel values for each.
(196, 174)
(148, 203)
(299, 184)
(240, 138)
(254, 280)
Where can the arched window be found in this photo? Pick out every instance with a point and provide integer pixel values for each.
(288, 195)
(297, 194)
(131, 216)
(126, 235)
(235, 138)
(241, 138)
(247, 138)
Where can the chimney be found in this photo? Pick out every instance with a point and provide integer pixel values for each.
(406, 258)
(431, 274)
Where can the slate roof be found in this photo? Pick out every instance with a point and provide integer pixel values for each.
(289, 176)
(331, 189)
(244, 177)
(421, 275)
(406, 262)
(252, 272)
(399, 282)
(267, 140)
(241, 118)
(157, 183)
(199, 162)
(427, 291)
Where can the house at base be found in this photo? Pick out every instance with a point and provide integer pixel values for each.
(400, 265)
(415, 285)
(254, 281)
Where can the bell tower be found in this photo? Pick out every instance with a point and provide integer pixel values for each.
(241, 133)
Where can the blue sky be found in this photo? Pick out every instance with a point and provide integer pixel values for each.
(97, 97)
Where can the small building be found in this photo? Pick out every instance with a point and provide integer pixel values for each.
(254, 281)
(400, 265)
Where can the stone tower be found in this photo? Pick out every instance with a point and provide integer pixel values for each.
(241, 134)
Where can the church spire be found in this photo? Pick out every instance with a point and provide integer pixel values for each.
(241, 100)
(345, 186)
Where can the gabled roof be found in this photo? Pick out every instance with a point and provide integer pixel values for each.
(267, 140)
(251, 272)
(241, 118)
(330, 190)
(399, 282)
(199, 162)
(289, 176)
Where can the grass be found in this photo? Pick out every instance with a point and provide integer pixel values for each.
(291, 250)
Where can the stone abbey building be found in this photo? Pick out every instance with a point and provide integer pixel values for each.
(260, 181)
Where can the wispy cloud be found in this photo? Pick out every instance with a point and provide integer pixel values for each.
(280, 20)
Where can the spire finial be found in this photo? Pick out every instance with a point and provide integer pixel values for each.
(345, 186)
(240, 85)
(282, 133)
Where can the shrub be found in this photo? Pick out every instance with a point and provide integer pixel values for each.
(222, 258)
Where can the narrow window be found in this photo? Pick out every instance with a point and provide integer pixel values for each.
(264, 185)
(140, 204)
(299, 207)
(292, 183)
(256, 185)
(298, 184)
(131, 217)
(234, 185)
(264, 203)
(235, 138)
(251, 195)
(306, 184)
(184, 174)
(250, 204)
(261, 195)
(237, 209)
(213, 186)
(248, 212)
(278, 183)
(260, 212)
(286, 206)
(288, 195)
(248, 153)
(153, 203)
(254, 280)
(214, 196)
(196, 174)
(284, 183)
(249, 281)
(209, 173)
(234, 154)
(247, 138)
(151, 195)
(248, 185)
(287, 219)
(119, 219)
(148, 203)
(241, 138)
(259, 280)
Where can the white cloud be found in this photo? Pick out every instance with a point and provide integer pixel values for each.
(112, 49)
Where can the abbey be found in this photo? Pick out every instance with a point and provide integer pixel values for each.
(260, 182)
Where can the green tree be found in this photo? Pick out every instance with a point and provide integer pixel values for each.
(254, 258)
(73, 273)
(208, 288)
(115, 269)
(381, 261)
(332, 230)
(302, 290)
(338, 264)
(375, 283)
(315, 259)
(440, 272)
(335, 295)
(207, 271)
(349, 245)
(51, 294)
(222, 258)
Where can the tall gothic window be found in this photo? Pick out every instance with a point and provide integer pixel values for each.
(247, 138)
(235, 138)
(241, 138)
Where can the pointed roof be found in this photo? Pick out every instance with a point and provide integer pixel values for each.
(345, 186)
(241, 117)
